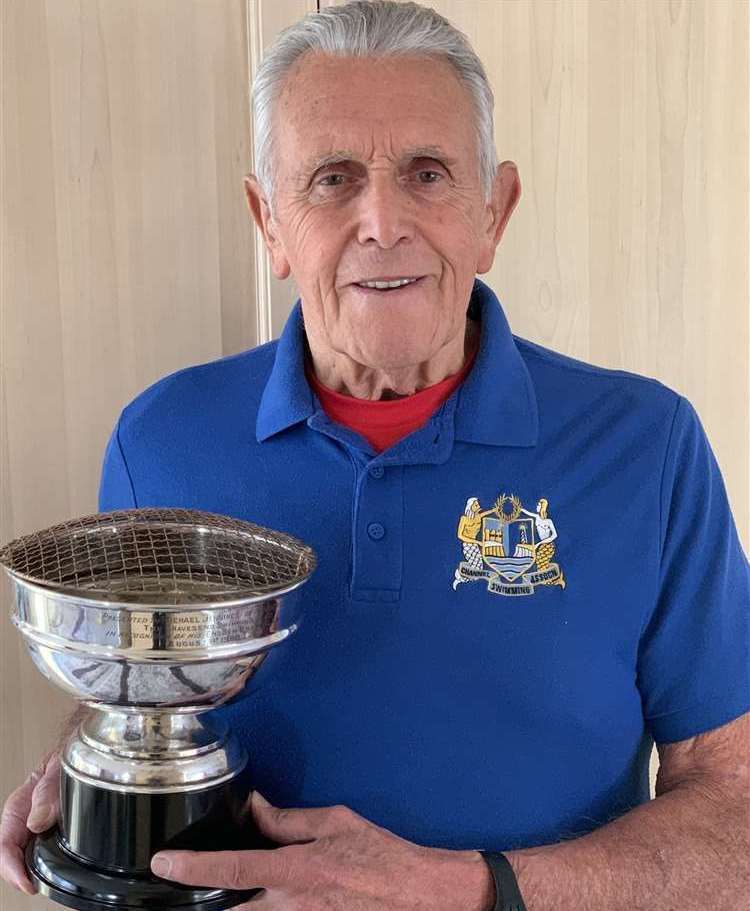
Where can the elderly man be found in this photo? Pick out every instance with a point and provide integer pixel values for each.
(528, 569)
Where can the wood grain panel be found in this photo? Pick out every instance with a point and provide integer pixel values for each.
(274, 298)
(127, 253)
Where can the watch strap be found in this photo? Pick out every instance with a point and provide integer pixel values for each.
(506, 886)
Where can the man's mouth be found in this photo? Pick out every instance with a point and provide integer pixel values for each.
(388, 285)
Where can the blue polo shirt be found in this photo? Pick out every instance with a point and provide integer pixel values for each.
(511, 604)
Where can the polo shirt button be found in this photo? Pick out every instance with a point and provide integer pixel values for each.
(375, 530)
(377, 471)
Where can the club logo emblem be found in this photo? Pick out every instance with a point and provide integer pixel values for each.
(509, 546)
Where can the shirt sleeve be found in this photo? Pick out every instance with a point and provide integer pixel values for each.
(115, 487)
(694, 651)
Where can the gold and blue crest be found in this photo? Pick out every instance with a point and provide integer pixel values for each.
(508, 546)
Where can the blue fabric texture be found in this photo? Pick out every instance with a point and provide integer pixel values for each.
(544, 579)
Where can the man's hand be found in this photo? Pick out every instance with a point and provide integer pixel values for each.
(32, 808)
(332, 859)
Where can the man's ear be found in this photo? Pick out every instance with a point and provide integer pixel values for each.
(261, 212)
(506, 191)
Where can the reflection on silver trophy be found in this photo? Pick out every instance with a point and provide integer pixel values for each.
(149, 617)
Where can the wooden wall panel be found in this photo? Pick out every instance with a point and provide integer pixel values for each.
(127, 252)
(274, 298)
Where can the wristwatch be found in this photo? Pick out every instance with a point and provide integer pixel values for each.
(506, 885)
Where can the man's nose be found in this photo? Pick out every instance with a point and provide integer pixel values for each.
(386, 213)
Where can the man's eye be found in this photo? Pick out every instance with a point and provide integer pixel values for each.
(332, 177)
(435, 175)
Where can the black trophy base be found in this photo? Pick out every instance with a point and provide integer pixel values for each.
(61, 877)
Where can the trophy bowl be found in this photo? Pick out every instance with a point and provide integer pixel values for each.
(149, 617)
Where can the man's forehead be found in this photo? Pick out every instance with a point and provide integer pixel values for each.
(314, 72)
(351, 109)
(385, 93)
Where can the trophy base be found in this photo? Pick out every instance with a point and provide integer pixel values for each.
(64, 879)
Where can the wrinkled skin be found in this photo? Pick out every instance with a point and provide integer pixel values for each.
(382, 212)
(31, 808)
(332, 859)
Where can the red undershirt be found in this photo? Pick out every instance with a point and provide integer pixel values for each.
(380, 422)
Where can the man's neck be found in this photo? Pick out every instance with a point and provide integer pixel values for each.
(339, 372)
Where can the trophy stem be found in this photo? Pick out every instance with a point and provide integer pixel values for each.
(152, 751)
(151, 733)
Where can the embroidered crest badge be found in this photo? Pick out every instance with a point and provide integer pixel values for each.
(509, 546)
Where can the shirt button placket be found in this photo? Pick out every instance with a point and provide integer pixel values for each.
(378, 532)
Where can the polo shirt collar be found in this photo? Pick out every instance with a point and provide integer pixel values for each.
(496, 404)
(287, 398)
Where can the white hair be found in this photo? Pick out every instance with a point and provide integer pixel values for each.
(370, 28)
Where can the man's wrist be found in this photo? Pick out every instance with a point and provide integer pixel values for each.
(482, 885)
(465, 876)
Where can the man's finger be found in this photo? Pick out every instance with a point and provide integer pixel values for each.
(13, 868)
(225, 869)
(305, 824)
(14, 837)
(45, 797)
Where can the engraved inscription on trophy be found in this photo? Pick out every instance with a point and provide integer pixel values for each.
(193, 629)
(141, 629)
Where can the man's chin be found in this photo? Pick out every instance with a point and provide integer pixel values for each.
(395, 339)
(389, 361)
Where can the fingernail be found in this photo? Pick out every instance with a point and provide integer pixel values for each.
(161, 864)
(260, 800)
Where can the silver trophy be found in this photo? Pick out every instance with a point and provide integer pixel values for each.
(149, 617)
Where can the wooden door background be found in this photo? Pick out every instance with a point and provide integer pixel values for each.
(127, 250)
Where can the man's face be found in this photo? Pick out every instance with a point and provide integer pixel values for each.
(402, 200)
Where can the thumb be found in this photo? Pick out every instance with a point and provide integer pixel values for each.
(45, 797)
(288, 827)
